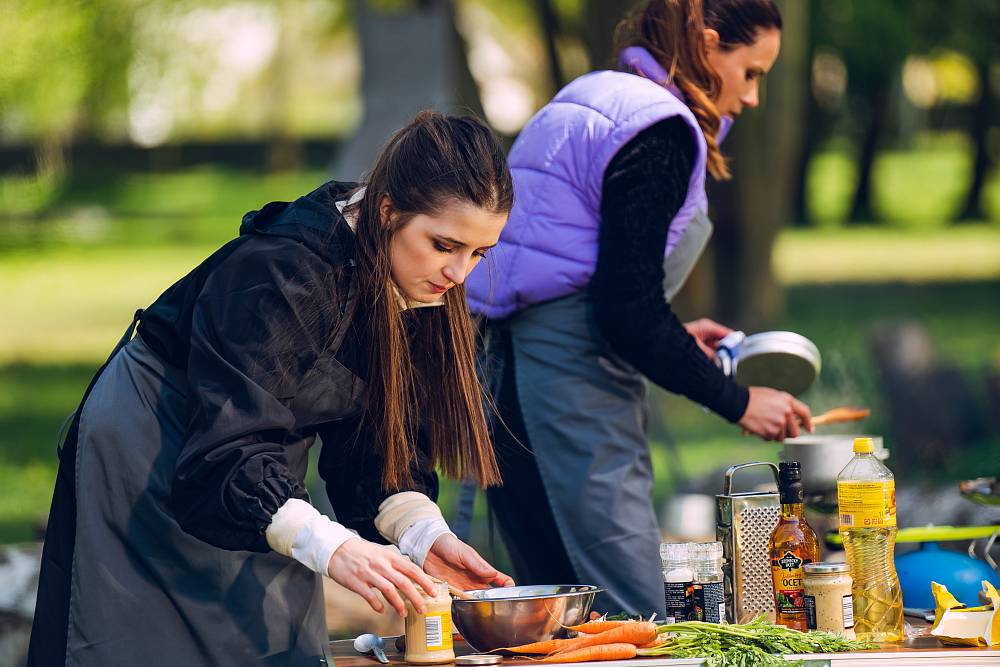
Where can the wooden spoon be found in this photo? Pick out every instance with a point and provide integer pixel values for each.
(457, 592)
(840, 415)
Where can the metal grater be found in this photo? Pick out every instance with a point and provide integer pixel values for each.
(744, 524)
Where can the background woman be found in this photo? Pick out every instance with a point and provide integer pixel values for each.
(610, 217)
(181, 532)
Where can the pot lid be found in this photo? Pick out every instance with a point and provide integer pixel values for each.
(781, 360)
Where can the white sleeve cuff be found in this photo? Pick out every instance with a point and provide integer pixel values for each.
(401, 510)
(299, 531)
(418, 539)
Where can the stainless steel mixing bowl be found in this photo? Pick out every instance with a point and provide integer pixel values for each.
(521, 614)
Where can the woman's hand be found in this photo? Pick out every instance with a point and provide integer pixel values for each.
(775, 415)
(360, 566)
(707, 333)
(452, 560)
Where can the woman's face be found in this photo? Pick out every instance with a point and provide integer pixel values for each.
(741, 69)
(431, 254)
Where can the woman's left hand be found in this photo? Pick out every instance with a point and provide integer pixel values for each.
(707, 333)
(454, 561)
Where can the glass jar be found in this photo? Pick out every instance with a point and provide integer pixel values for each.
(709, 598)
(678, 582)
(428, 635)
(829, 605)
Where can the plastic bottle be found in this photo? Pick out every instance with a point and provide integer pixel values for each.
(678, 582)
(709, 600)
(866, 495)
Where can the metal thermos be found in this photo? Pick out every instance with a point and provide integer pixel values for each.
(744, 523)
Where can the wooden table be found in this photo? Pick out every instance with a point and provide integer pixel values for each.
(923, 651)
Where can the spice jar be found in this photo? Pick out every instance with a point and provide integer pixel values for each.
(428, 635)
(678, 582)
(829, 605)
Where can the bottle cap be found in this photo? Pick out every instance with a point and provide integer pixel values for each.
(706, 551)
(864, 445)
(789, 472)
(675, 552)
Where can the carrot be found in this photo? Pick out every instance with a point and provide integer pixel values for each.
(594, 627)
(637, 634)
(550, 646)
(619, 651)
(656, 642)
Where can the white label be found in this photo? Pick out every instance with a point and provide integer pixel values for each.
(434, 635)
(848, 604)
(722, 612)
(847, 520)
(669, 620)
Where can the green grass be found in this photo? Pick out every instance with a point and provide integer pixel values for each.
(922, 187)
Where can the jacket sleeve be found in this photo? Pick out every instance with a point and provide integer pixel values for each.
(645, 186)
(351, 466)
(257, 327)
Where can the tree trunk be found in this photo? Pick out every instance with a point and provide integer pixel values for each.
(599, 20)
(981, 116)
(550, 34)
(752, 208)
(412, 59)
(862, 211)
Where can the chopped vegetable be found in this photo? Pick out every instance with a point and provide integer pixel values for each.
(755, 644)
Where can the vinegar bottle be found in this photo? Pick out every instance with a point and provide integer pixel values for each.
(793, 544)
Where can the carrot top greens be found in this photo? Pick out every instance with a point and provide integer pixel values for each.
(755, 644)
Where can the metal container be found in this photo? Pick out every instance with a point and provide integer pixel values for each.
(744, 523)
(518, 615)
(778, 359)
(823, 457)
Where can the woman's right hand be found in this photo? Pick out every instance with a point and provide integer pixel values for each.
(775, 415)
(361, 566)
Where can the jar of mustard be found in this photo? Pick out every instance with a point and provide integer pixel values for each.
(428, 635)
(829, 605)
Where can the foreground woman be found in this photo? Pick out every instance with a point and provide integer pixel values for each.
(181, 532)
(610, 218)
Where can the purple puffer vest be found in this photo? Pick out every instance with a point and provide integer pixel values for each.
(548, 249)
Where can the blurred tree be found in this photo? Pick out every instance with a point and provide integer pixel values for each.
(751, 209)
(597, 28)
(550, 35)
(968, 33)
(873, 38)
(413, 58)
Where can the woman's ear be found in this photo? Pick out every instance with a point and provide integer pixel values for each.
(385, 211)
(711, 39)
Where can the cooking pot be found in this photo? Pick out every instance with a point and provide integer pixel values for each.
(823, 457)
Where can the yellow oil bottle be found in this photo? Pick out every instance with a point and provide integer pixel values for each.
(866, 495)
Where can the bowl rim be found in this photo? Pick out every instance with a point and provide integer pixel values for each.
(589, 590)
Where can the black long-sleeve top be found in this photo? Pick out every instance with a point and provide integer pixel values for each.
(645, 185)
(253, 326)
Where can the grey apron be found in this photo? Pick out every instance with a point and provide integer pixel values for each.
(144, 592)
(586, 416)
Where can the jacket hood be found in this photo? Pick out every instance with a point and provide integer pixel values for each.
(312, 219)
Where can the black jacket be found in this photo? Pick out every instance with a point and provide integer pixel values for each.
(265, 329)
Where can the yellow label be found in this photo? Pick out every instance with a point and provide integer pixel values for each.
(438, 628)
(867, 504)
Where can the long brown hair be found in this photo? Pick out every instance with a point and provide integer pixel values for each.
(673, 33)
(421, 362)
